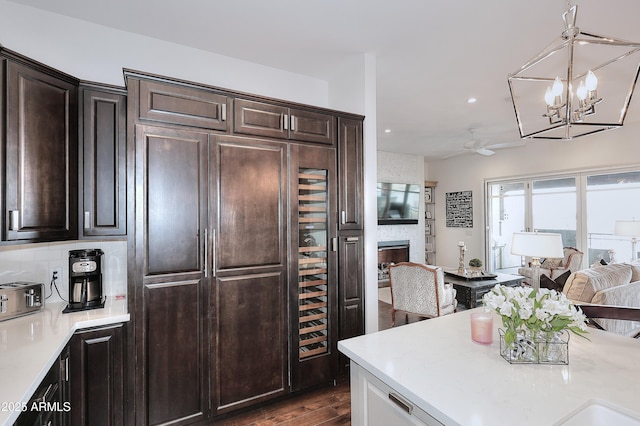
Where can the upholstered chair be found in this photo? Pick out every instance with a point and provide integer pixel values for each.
(553, 268)
(420, 289)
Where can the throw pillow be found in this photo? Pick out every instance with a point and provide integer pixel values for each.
(557, 284)
(603, 262)
(552, 263)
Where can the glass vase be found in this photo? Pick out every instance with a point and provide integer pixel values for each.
(523, 350)
(553, 347)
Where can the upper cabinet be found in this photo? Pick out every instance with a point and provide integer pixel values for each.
(350, 174)
(40, 126)
(271, 120)
(171, 103)
(102, 175)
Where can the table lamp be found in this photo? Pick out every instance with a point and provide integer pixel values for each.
(629, 228)
(537, 245)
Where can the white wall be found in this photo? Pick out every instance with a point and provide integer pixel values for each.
(615, 148)
(97, 53)
(404, 168)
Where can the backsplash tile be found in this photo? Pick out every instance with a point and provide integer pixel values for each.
(31, 262)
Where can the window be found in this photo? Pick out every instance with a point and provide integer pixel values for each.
(583, 207)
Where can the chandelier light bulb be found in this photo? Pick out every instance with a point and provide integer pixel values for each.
(548, 97)
(558, 87)
(591, 81)
(582, 91)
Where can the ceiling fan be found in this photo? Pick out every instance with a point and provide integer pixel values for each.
(482, 147)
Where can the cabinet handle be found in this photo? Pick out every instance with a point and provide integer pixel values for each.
(334, 243)
(13, 219)
(400, 402)
(206, 255)
(352, 239)
(214, 252)
(223, 112)
(343, 217)
(285, 121)
(293, 123)
(87, 220)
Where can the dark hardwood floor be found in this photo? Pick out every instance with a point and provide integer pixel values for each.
(327, 406)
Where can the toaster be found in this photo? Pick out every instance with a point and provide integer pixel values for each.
(20, 298)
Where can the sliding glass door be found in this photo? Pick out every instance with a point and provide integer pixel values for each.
(543, 204)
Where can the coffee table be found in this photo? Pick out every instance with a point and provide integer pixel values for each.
(469, 291)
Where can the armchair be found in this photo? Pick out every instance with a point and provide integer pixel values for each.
(421, 290)
(553, 268)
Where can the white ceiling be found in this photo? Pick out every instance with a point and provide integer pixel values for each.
(431, 55)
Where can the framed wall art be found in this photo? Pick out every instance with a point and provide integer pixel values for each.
(459, 209)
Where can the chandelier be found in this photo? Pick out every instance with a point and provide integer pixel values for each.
(556, 92)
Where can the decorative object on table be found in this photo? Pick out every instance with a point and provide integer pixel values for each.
(537, 245)
(459, 209)
(475, 267)
(536, 323)
(571, 66)
(462, 248)
(482, 327)
(629, 228)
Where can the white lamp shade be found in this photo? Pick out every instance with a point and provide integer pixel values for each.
(537, 244)
(629, 228)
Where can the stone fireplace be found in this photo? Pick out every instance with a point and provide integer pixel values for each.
(390, 252)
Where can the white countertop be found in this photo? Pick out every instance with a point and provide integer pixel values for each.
(29, 345)
(436, 366)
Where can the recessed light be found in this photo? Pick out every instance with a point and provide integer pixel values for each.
(471, 100)
(387, 130)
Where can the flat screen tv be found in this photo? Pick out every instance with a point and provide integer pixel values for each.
(398, 203)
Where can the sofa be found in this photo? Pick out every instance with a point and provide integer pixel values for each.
(616, 284)
(553, 268)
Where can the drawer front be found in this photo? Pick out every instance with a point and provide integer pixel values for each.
(312, 126)
(169, 103)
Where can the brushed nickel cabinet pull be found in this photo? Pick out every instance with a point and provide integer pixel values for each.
(293, 123)
(223, 112)
(206, 255)
(352, 239)
(285, 121)
(400, 402)
(214, 252)
(334, 243)
(87, 220)
(343, 217)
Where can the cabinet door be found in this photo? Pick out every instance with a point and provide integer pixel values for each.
(260, 119)
(350, 287)
(41, 155)
(187, 106)
(172, 284)
(313, 286)
(103, 171)
(249, 309)
(350, 172)
(96, 376)
(312, 126)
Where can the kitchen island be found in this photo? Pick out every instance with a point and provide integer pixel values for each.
(431, 372)
(30, 345)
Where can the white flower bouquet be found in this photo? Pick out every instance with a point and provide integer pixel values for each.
(525, 310)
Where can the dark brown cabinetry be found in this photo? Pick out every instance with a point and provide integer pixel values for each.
(171, 290)
(96, 376)
(277, 121)
(182, 105)
(248, 181)
(236, 251)
(41, 164)
(102, 175)
(350, 163)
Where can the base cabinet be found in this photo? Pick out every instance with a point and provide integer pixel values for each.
(96, 376)
(374, 403)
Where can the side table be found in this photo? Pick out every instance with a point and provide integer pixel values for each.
(469, 292)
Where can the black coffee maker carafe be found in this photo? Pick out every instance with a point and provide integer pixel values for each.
(85, 279)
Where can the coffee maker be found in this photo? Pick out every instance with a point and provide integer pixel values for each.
(85, 280)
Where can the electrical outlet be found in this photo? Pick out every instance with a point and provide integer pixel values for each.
(55, 273)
